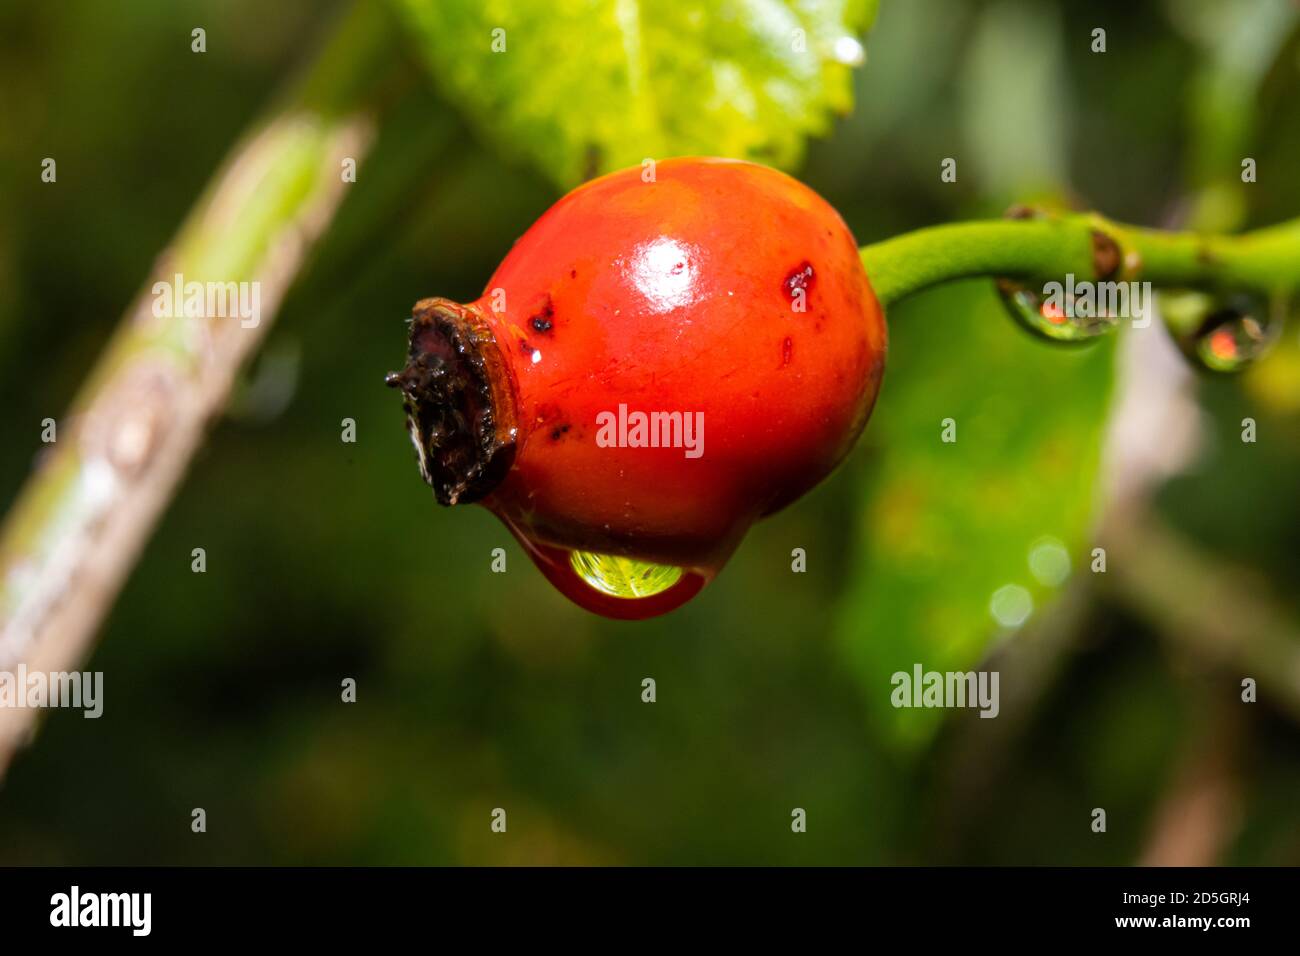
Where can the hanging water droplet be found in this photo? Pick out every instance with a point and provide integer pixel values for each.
(1221, 333)
(1062, 319)
(623, 577)
(616, 586)
(1232, 344)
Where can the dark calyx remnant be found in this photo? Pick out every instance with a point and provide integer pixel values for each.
(800, 277)
(459, 406)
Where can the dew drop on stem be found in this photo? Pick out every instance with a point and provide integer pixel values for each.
(1063, 321)
(1222, 332)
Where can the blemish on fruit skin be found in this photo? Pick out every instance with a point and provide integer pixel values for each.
(560, 431)
(800, 277)
(534, 355)
(787, 350)
(543, 320)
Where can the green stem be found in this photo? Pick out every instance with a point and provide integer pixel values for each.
(1090, 248)
(84, 514)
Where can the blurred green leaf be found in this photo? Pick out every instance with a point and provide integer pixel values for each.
(1239, 44)
(587, 86)
(947, 525)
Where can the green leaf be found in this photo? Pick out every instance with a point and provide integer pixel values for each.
(588, 86)
(945, 525)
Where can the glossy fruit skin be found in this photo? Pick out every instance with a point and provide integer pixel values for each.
(723, 290)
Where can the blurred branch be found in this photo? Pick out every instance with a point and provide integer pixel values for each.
(1222, 614)
(1201, 811)
(80, 522)
(1085, 245)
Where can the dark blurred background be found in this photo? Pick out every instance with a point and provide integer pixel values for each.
(478, 690)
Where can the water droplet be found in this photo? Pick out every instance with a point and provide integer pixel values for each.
(1052, 320)
(1011, 605)
(1222, 333)
(615, 586)
(623, 577)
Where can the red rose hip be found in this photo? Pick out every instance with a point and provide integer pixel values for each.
(655, 365)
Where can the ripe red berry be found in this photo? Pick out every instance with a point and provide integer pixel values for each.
(655, 365)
